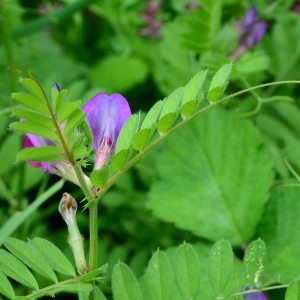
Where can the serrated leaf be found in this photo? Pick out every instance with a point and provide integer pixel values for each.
(100, 177)
(293, 291)
(255, 262)
(35, 128)
(6, 288)
(93, 274)
(159, 277)
(214, 171)
(219, 83)
(56, 259)
(192, 94)
(124, 284)
(124, 142)
(220, 265)
(148, 127)
(31, 115)
(170, 110)
(74, 120)
(32, 102)
(15, 269)
(66, 110)
(57, 98)
(33, 87)
(31, 257)
(187, 271)
(41, 154)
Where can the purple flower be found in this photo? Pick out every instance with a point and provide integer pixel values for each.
(255, 295)
(251, 29)
(106, 116)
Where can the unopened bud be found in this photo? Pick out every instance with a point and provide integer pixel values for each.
(67, 208)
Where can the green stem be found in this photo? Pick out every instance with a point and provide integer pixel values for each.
(93, 236)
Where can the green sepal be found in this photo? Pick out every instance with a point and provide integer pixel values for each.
(148, 127)
(66, 109)
(170, 110)
(293, 291)
(193, 94)
(57, 98)
(254, 262)
(124, 284)
(6, 288)
(124, 142)
(33, 87)
(93, 274)
(31, 257)
(57, 260)
(187, 271)
(32, 102)
(219, 83)
(15, 269)
(41, 154)
(220, 265)
(159, 277)
(34, 128)
(100, 177)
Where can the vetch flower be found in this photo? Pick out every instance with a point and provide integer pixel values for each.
(251, 29)
(106, 116)
(254, 296)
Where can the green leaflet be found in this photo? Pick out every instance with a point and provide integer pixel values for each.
(219, 83)
(36, 129)
(93, 274)
(159, 277)
(33, 87)
(124, 142)
(187, 271)
(42, 154)
(66, 109)
(193, 94)
(220, 265)
(293, 291)
(148, 126)
(15, 269)
(56, 259)
(31, 257)
(255, 262)
(57, 98)
(79, 152)
(5, 287)
(170, 110)
(124, 283)
(100, 177)
(32, 102)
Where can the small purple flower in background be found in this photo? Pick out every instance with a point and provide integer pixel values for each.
(149, 16)
(251, 29)
(296, 7)
(254, 296)
(106, 116)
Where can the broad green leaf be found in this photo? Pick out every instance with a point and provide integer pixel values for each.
(66, 110)
(214, 171)
(31, 115)
(220, 265)
(45, 153)
(219, 83)
(124, 283)
(57, 98)
(33, 87)
(192, 94)
(170, 110)
(124, 142)
(293, 291)
(187, 271)
(74, 120)
(32, 102)
(148, 127)
(159, 277)
(35, 128)
(56, 259)
(15, 269)
(5, 287)
(93, 274)
(255, 262)
(100, 177)
(31, 257)
(278, 230)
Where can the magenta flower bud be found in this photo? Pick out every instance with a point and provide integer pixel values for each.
(254, 296)
(106, 116)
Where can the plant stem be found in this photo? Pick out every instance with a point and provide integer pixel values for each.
(93, 236)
